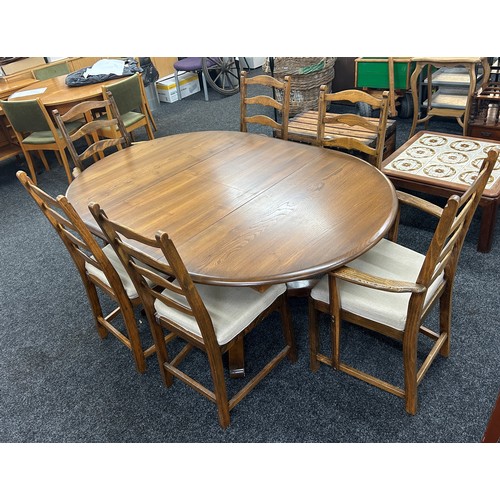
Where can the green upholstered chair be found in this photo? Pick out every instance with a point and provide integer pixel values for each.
(51, 71)
(132, 104)
(35, 131)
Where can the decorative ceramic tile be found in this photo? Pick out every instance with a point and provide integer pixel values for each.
(447, 158)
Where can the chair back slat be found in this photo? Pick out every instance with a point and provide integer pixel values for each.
(354, 125)
(279, 102)
(91, 130)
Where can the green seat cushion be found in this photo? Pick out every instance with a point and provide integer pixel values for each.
(46, 137)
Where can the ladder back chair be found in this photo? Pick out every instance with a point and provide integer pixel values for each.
(92, 129)
(210, 318)
(357, 132)
(36, 131)
(131, 101)
(280, 103)
(391, 289)
(99, 268)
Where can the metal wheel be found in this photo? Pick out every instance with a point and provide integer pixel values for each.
(221, 73)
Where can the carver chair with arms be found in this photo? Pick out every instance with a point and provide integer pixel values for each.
(280, 104)
(131, 101)
(391, 289)
(99, 268)
(91, 130)
(35, 131)
(206, 317)
(358, 133)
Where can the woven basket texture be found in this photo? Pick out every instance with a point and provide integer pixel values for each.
(307, 75)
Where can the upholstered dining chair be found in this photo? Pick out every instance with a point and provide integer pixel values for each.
(99, 269)
(356, 129)
(35, 131)
(391, 289)
(279, 103)
(91, 130)
(130, 98)
(194, 65)
(206, 317)
(51, 71)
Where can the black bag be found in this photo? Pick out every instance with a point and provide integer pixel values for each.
(149, 72)
(76, 79)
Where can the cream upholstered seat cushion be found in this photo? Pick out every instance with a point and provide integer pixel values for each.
(230, 308)
(386, 260)
(120, 269)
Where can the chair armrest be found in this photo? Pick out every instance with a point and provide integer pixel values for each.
(360, 278)
(421, 204)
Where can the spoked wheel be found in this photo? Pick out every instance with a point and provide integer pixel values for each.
(221, 73)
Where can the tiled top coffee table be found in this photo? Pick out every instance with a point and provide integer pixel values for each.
(444, 164)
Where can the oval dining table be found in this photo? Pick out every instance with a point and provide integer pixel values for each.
(54, 93)
(243, 209)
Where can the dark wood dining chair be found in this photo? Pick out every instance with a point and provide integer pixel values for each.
(209, 318)
(391, 289)
(353, 132)
(99, 268)
(278, 102)
(100, 116)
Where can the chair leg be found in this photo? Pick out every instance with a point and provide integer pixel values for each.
(66, 166)
(217, 371)
(134, 338)
(445, 320)
(44, 160)
(335, 321)
(313, 336)
(177, 85)
(286, 320)
(31, 166)
(410, 372)
(205, 89)
(95, 305)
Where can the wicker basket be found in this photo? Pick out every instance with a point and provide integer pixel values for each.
(307, 75)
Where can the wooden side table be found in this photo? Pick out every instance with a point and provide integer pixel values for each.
(456, 106)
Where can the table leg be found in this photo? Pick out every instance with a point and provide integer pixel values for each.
(237, 359)
(487, 228)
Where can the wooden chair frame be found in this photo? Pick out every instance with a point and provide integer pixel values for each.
(440, 263)
(184, 297)
(129, 94)
(85, 249)
(282, 107)
(354, 121)
(92, 129)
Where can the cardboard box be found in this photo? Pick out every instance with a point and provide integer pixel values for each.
(167, 91)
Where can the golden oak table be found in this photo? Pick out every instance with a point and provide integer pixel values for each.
(243, 209)
(54, 93)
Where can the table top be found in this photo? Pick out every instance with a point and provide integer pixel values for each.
(446, 160)
(243, 209)
(55, 92)
(8, 87)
